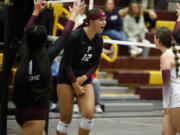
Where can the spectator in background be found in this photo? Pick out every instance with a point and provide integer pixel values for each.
(148, 11)
(150, 15)
(114, 27)
(97, 90)
(97, 86)
(53, 93)
(134, 25)
(122, 7)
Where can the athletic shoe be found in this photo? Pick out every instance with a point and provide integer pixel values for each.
(98, 109)
(52, 107)
(76, 108)
(134, 51)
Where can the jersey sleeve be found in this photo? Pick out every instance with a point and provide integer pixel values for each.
(177, 27)
(68, 29)
(166, 90)
(69, 51)
(31, 21)
(97, 60)
(21, 48)
(59, 44)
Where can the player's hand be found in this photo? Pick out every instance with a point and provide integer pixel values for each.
(77, 6)
(81, 79)
(79, 90)
(39, 6)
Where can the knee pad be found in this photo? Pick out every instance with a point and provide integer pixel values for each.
(87, 124)
(62, 127)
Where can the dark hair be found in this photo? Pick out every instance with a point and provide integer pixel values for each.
(177, 64)
(164, 34)
(36, 37)
(176, 36)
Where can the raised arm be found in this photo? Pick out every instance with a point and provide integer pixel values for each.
(177, 26)
(75, 10)
(38, 8)
(55, 49)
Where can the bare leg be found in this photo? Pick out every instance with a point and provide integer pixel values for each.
(175, 119)
(66, 99)
(167, 126)
(34, 127)
(86, 103)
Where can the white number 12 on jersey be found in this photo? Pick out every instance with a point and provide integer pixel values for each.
(86, 57)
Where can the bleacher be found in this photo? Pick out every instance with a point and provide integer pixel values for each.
(129, 78)
(141, 75)
(134, 79)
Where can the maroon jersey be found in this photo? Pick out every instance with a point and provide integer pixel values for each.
(81, 56)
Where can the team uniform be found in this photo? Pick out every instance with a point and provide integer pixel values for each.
(175, 82)
(33, 79)
(173, 101)
(171, 94)
(81, 56)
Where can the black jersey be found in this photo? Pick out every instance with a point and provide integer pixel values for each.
(33, 78)
(81, 56)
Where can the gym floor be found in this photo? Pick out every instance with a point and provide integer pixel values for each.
(116, 123)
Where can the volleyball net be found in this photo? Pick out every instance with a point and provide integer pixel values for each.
(91, 2)
(125, 43)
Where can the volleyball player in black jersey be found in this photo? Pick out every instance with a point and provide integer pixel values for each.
(33, 79)
(80, 60)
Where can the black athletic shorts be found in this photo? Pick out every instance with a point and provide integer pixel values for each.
(30, 113)
(63, 79)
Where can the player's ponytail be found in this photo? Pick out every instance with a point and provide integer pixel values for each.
(175, 51)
